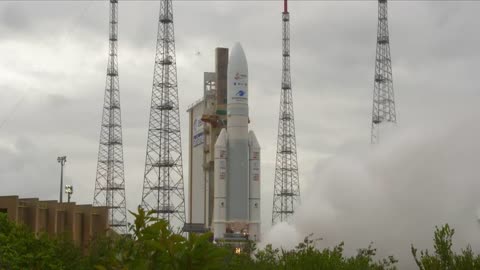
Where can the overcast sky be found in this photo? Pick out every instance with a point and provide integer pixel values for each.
(53, 67)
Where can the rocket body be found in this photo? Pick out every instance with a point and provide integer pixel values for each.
(237, 128)
(237, 160)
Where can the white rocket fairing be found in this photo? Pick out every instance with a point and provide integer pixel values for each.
(237, 160)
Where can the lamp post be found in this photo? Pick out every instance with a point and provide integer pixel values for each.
(69, 191)
(62, 161)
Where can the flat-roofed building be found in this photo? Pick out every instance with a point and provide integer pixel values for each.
(79, 223)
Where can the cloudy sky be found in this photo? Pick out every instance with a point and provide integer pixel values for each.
(53, 67)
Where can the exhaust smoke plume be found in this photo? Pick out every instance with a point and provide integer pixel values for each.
(394, 194)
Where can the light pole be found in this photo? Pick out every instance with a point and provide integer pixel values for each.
(69, 191)
(62, 161)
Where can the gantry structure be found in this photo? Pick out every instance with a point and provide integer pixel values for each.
(110, 177)
(286, 194)
(383, 95)
(163, 187)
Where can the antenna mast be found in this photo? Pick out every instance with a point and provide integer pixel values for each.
(286, 184)
(383, 95)
(110, 179)
(163, 190)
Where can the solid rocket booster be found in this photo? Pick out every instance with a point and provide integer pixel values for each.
(220, 186)
(237, 160)
(254, 175)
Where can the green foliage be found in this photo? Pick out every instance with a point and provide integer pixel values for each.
(21, 249)
(152, 245)
(307, 256)
(443, 257)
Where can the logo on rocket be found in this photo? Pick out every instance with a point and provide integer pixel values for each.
(240, 93)
(239, 76)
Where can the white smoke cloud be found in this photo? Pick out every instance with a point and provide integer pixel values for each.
(282, 235)
(394, 193)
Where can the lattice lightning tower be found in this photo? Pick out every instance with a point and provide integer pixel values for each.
(110, 179)
(383, 96)
(163, 179)
(286, 184)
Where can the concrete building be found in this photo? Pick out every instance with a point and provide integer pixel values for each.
(207, 117)
(76, 222)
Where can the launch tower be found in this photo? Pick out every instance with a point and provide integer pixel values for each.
(383, 96)
(163, 190)
(110, 179)
(286, 184)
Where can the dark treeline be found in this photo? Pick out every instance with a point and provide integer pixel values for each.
(152, 245)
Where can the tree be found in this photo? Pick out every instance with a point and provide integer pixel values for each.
(21, 249)
(154, 246)
(443, 257)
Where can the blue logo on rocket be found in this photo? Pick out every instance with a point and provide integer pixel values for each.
(240, 93)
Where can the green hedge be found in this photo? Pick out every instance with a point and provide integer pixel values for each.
(152, 245)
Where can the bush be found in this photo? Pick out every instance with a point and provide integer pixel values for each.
(443, 257)
(21, 249)
(152, 245)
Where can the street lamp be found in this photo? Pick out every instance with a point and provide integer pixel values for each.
(62, 161)
(69, 191)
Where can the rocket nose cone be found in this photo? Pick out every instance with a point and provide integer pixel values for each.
(237, 55)
(222, 138)
(237, 47)
(237, 79)
(252, 139)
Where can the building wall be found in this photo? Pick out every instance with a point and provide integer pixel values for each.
(80, 223)
(210, 97)
(211, 109)
(43, 220)
(9, 204)
(197, 178)
(221, 71)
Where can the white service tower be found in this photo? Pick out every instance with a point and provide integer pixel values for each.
(237, 162)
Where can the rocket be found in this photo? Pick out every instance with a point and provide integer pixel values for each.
(237, 161)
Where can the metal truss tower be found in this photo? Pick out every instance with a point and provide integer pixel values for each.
(286, 184)
(110, 179)
(383, 96)
(163, 190)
